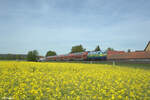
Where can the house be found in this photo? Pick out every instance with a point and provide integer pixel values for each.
(130, 56)
(134, 56)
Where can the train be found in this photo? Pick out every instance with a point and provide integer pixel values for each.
(110, 55)
(80, 56)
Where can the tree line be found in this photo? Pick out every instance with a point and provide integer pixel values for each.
(12, 57)
(34, 55)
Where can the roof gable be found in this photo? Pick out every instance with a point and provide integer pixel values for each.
(147, 48)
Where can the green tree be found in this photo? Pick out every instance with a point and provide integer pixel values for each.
(18, 57)
(110, 49)
(1, 58)
(32, 55)
(129, 50)
(9, 57)
(50, 53)
(78, 48)
(97, 48)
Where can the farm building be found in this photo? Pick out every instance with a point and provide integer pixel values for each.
(135, 56)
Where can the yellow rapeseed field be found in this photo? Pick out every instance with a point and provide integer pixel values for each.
(72, 81)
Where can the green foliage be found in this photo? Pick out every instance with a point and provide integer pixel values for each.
(78, 48)
(110, 49)
(97, 48)
(1, 58)
(32, 55)
(50, 53)
(129, 50)
(12, 57)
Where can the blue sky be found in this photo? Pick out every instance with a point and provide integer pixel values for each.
(60, 24)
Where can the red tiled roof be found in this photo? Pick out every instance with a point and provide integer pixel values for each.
(131, 55)
(115, 52)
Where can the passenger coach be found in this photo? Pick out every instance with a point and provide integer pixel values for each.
(81, 56)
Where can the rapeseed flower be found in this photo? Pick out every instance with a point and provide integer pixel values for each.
(52, 81)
